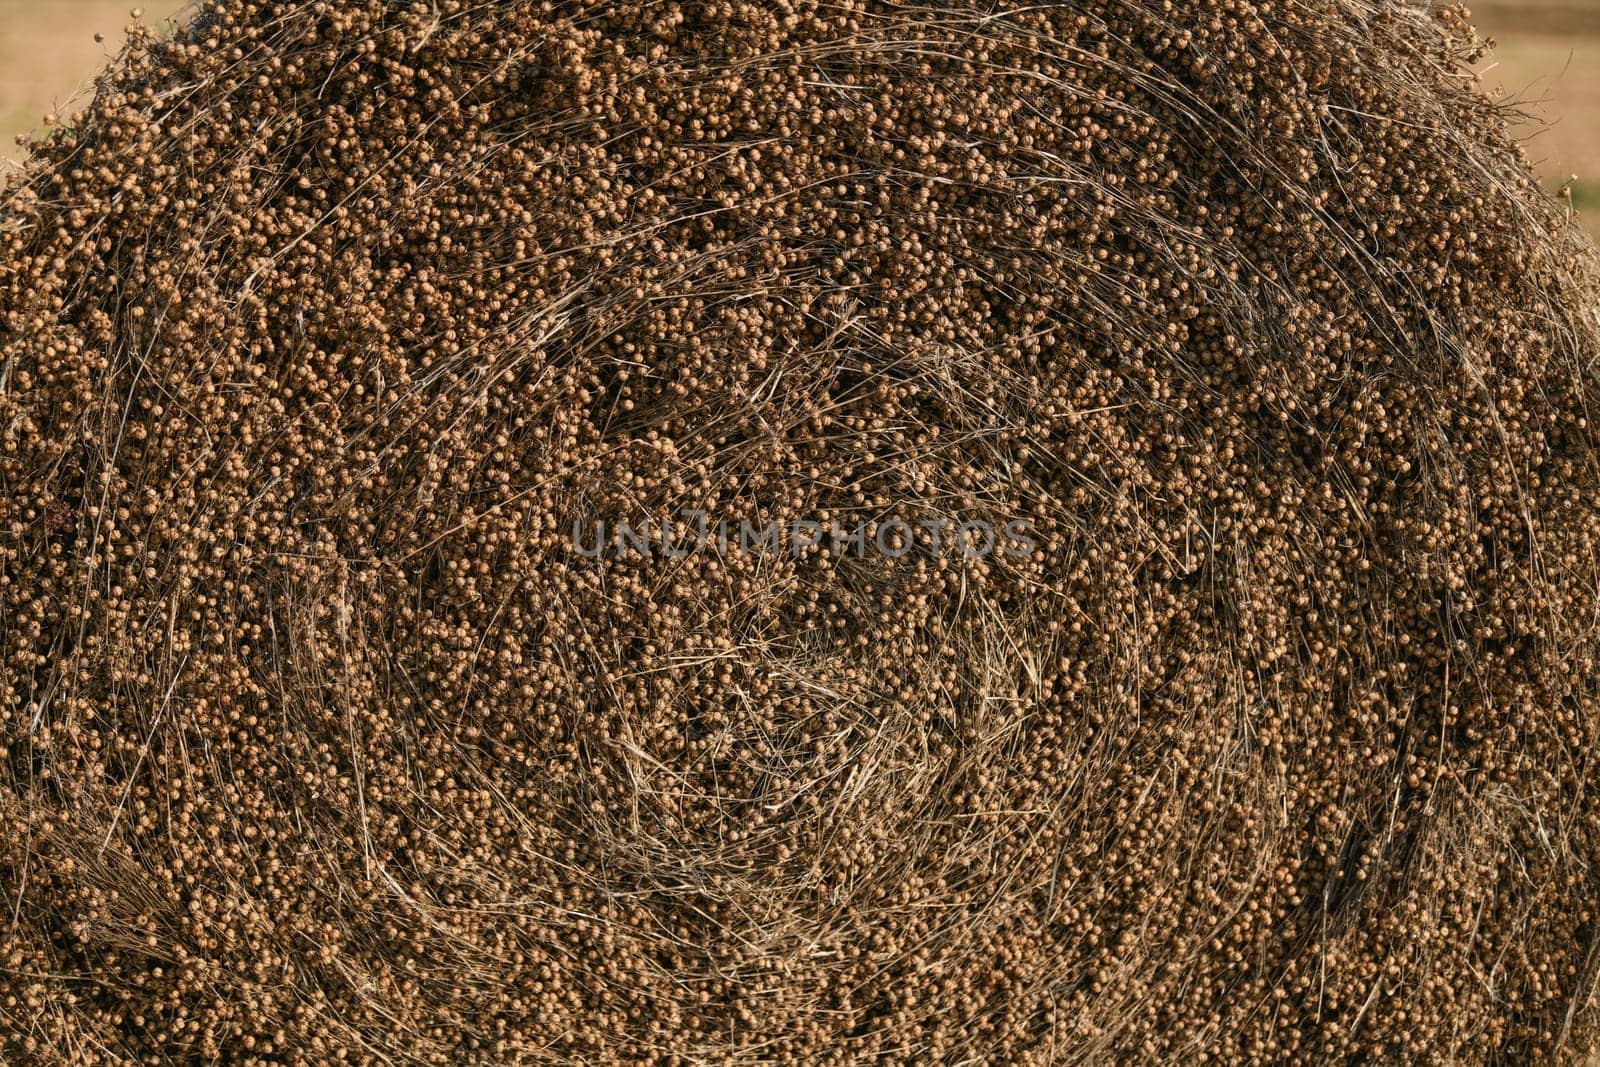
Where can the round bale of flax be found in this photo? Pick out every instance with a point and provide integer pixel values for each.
(796, 532)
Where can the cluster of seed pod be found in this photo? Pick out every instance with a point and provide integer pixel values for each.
(328, 321)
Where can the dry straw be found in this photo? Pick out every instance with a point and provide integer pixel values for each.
(319, 743)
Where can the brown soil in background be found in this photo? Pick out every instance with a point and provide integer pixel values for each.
(1547, 62)
(48, 54)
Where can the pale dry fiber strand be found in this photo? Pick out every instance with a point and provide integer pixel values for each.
(320, 740)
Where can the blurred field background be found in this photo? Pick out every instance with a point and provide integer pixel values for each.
(48, 53)
(1547, 60)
